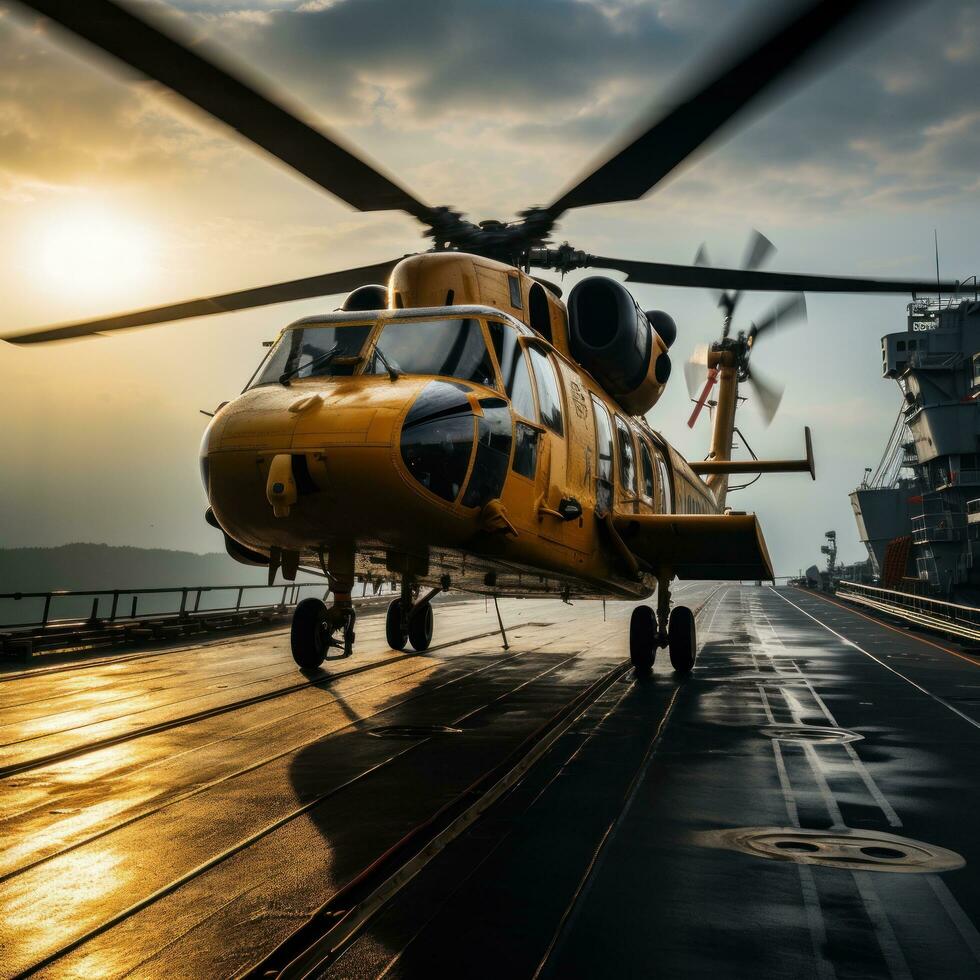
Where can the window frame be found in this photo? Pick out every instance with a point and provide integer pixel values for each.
(366, 367)
(599, 409)
(620, 425)
(646, 457)
(665, 475)
(502, 381)
(529, 343)
(367, 350)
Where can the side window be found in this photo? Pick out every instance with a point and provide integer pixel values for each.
(604, 455)
(667, 499)
(647, 465)
(548, 397)
(513, 368)
(627, 459)
(525, 450)
(492, 453)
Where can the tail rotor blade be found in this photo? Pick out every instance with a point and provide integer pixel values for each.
(701, 259)
(757, 251)
(696, 370)
(768, 393)
(791, 310)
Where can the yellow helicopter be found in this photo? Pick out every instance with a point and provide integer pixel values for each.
(455, 424)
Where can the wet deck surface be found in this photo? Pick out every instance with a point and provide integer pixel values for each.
(181, 813)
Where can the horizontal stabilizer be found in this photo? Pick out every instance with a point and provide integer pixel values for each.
(724, 547)
(806, 465)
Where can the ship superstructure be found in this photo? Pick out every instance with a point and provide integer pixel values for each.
(887, 499)
(927, 487)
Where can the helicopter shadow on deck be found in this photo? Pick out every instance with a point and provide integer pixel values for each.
(386, 768)
(408, 775)
(359, 773)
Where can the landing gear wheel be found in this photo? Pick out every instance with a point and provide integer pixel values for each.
(682, 639)
(420, 628)
(308, 635)
(643, 637)
(395, 633)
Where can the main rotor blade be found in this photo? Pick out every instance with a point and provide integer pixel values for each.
(665, 274)
(244, 299)
(230, 100)
(668, 141)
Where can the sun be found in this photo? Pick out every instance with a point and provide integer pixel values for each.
(92, 250)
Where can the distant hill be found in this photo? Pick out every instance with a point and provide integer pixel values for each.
(102, 566)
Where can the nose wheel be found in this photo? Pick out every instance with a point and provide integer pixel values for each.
(316, 629)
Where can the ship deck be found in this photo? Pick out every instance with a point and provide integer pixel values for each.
(804, 804)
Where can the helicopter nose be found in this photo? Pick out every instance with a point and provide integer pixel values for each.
(387, 464)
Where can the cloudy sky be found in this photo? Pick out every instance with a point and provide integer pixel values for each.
(114, 195)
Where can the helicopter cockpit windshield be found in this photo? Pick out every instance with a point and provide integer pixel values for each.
(452, 348)
(314, 351)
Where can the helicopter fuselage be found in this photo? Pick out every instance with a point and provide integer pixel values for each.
(453, 444)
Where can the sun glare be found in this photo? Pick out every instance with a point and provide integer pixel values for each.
(93, 251)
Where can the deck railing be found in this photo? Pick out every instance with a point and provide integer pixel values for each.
(90, 619)
(953, 619)
(21, 610)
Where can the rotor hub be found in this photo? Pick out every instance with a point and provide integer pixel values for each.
(504, 241)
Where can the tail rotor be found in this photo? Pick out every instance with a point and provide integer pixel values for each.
(701, 378)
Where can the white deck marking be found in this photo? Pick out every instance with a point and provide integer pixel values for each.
(897, 673)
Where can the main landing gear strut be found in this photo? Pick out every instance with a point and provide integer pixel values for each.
(680, 636)
(317, 627)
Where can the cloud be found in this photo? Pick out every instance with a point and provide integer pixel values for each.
(69, 116)
(524, 94)
(548, 84)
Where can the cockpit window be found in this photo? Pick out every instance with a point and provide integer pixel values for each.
(452, 348)
(302, 353)
(513, 369)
